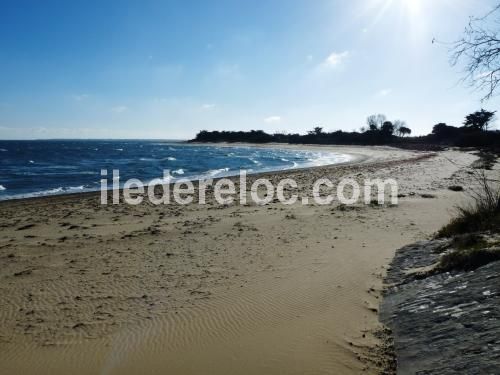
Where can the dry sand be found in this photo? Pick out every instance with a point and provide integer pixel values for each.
(91, 289)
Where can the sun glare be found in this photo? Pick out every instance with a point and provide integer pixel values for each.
(412, 9)
(413, 6)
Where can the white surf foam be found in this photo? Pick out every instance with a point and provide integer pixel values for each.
(215, 172)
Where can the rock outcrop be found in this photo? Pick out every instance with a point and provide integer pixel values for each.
(442, 323)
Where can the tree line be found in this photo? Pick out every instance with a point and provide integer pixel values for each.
(378, 130)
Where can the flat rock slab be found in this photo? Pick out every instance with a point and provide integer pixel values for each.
(443, 324)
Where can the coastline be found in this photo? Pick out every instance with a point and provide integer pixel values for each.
(215, 287)
(352, 151)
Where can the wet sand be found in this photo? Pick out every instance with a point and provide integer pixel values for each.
(213, 289)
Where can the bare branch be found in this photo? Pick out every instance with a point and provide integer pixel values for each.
(479, 49)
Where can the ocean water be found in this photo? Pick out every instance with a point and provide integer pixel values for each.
(38, 168)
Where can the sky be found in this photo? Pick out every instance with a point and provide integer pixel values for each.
(168, 69)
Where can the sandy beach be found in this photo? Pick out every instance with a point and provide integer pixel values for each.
(247, 289)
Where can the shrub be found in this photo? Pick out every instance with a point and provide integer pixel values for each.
(482, 214)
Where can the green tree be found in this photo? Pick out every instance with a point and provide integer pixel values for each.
(318, 130)
(403, 130)
(387, 128)
(479, 120)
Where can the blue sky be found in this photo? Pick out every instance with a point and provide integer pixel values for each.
(167, 69)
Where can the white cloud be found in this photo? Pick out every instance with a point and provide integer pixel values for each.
(335, 59)
(384, 92)
(119, 109)
(333, 62)
(208, 106)
(273, 119)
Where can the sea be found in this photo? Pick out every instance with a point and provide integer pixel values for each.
(51, 167)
